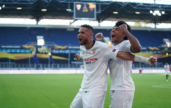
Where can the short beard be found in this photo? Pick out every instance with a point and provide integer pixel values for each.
(84, 42)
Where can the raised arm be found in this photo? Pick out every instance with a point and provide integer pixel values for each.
(99, 36)
(135, 45)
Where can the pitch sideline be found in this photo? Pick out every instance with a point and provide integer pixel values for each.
(162, 86)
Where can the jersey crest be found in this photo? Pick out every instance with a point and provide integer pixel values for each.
(114, 50)
(94, 51)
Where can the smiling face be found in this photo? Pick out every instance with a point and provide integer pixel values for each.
(117, 35)
(84, 36)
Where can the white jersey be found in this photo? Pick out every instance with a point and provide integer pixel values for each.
(120, 70)
(95, 66)
(167, 69)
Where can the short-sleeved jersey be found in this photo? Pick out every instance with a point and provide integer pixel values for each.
(166, 68)
(120, 70)
(95, 66)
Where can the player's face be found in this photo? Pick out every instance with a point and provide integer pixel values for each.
(83, 35)
(166, 63)
(116, 35)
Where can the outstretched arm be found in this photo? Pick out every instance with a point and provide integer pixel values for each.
(131, 57)
(125, 56)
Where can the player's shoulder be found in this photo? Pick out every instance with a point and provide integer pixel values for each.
(99, 43)
(125, 42)
(103, 45)
(82, 47)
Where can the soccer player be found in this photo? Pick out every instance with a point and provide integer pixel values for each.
(122, 85)
(140, 72)
(95, 55)
(167, 70)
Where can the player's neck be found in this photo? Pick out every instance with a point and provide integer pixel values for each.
(89, 44)
(117, 42)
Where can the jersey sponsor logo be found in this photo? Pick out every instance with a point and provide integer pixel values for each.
(94, 51)
(114, 50)
(90, 60)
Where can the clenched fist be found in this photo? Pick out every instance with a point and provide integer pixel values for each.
(153, 60)
(99, 36)
(123, 27)
(78, 58)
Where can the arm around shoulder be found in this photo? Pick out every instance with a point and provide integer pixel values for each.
(125, 56)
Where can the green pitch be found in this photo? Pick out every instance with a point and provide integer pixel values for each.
(58, 91)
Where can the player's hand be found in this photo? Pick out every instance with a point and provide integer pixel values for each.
(78, 58)
(99, 36)
(123, 27)
(153, 60)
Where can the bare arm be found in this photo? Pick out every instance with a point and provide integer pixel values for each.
(126, 56)
(135, 45)
(130, 57)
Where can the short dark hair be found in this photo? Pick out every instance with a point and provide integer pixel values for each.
(118, 23)
(89, 27)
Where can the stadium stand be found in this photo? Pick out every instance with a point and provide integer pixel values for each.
(13, 35)
(68, 38)
(159, 36)
(22, 35)
(143, 36)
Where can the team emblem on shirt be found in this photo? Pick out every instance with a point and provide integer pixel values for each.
(114, 50)
(94, 51)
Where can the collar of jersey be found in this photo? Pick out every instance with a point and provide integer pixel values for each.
(82, 47)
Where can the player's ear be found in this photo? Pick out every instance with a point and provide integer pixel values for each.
(123, 36)
(91, 34)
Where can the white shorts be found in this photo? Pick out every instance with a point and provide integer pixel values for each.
(89, 99)
(121, 98)
(167, 72)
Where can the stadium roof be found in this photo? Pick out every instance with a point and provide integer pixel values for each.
(128, 10)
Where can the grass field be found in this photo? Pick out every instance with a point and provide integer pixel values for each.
(58, 91)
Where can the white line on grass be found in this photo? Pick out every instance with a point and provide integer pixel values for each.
(162, 86)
